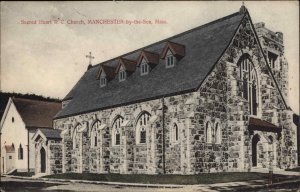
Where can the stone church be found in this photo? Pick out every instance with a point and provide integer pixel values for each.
(211, 99)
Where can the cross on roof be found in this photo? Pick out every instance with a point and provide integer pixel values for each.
(90, 57)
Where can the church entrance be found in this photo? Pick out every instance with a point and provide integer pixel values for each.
(255, 140)
(43, 160)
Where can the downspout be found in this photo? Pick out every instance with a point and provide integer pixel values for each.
(163, 136)
(28, 169)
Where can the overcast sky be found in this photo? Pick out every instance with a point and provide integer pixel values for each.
(49, 59)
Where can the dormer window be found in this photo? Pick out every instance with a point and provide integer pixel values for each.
(103, 81)
(122, 75)
(170, 61)
(144, 68)
(172, 53)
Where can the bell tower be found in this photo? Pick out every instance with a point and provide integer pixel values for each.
(272, 44)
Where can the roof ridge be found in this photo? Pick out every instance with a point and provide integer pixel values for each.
(34, 100)
(168, 39)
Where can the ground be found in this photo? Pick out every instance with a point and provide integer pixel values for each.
(22, 185)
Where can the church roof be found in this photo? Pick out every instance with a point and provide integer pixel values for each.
(36, 114)
(262, 125)
(200, 47)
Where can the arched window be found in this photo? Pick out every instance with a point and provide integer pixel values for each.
(116, 131)
(141, 127)
(249, 78)
(208, 133)
(175, 133)
(218, 136)
(76, 137)
(20, 152)
(94, 133)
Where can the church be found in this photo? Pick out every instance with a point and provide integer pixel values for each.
(211, 99)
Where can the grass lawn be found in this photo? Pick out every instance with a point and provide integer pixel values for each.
(205, 178)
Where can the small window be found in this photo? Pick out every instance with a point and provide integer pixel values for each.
(272, 59)
(122, 75)
(170, 61)
(217, 135)
(10, 157)
(116, 131)
(175, 131)
(143, 135)
(144, 68)
(118, 138)
(102, 81)
(20, 152)
(94, 133)
(208, 133)
(13, 119)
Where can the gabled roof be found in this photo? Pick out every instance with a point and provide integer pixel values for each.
(128, 64)
(36, 114)
(9, 148)
(150, 57)
(261, 125)
(177, 49)
(4, 97)
(204, 46)
(108, 70)
(47, 133)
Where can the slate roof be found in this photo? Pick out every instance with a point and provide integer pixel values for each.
(204, 45)
(36, 114)
(51, 133)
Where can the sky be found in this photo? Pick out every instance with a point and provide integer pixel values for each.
(48, 59)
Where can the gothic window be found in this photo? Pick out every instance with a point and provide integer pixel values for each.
(116, 131)
(103, 81)
(217, 134)
(208, 133)
(175, 133)
(95, 134)
(170, 60)
(20, 152)
(141, 124)
(76, 137)
(272, 59)
(144, 68)
(122, 75)
(249, 81)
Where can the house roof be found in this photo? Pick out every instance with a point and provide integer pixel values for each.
(4, 97)
(36, 114)
(203, 45)
(51, 133)
(9, 148)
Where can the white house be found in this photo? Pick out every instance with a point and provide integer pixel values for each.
(21, 119)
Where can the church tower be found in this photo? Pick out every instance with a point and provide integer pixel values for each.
(272, 44)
